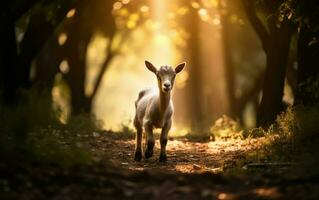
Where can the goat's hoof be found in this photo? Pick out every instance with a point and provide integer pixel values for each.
(138, 156)
(148, 153)
(163, 158)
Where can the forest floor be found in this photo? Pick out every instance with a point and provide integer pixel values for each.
(194, 170)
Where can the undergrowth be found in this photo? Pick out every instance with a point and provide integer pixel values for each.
(293, 138)
(31, 133)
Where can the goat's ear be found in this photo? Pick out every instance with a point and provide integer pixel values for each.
(180, 67)
(150, 67)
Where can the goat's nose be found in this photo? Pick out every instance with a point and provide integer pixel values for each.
(167, 85)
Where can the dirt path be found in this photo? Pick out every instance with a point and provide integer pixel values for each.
(195, 170)
(183, 155)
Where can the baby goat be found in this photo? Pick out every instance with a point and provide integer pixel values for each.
(154, 109)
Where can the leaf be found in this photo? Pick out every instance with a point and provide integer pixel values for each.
(196, 167)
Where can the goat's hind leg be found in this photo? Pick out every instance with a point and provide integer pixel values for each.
(138, 147)
(150, 140)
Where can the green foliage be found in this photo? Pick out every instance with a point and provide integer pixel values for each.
(31, 132)
(56, 147)
(255, 133)
(311, 88)
(299, 122)
(83, 123)
(292, 139)
(297, 138)
(125, 133)
(302, 13)
(33, 111)
(127, 130)
(225, 127)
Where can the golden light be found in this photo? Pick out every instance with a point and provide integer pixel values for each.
(216, 21)
(125, 1)
(71, 13)
(161, 39)
(144, 9)
(271, 193)
(222, 196)
(203, 14)
(178, 132)
(171, 15)
(61, 98)
(62, 38)
(132, 20)
(241, 21)
(96, 55)
(233, 18)
(195, 4)
(182, 79)
(130, 24)
(134, 17)
(117, 5)
(213, 3)
(64, 67)
(182, 10)
(123, 12)
(126, 74)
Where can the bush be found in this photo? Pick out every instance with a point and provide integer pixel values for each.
(297, 137)
(300, 124)
(226, 128)
(31, 132)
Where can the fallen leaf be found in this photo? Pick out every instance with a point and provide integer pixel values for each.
(196, 167)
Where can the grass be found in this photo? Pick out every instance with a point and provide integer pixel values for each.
(31, 132)
(293, 138)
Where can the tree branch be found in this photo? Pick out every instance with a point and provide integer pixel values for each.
(100, 76)
(258, 26)
(111, 55)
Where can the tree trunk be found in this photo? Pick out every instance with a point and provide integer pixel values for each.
(194, 69)
(80, 33)
(35, 38)
(308, 67)
(276, 62)
(276, 44)
(76, 48)
(47, 64)
(234, 108)
(8, 59)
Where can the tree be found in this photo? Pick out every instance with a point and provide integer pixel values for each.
(10, 12)
(16, 65)
(275, 37)
(40, 29)
(306, 16)
(89, 18)
(195, 67)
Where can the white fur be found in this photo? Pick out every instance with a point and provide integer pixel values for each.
(154, 109)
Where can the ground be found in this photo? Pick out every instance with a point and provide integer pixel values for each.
(195, 170)
(183, 155)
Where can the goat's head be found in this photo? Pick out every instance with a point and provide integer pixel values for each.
(165, 75)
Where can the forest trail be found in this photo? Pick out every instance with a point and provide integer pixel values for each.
(195, 170)
(184, 155)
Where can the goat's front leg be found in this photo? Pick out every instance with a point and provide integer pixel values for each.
(150, 139)
(163, 140)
